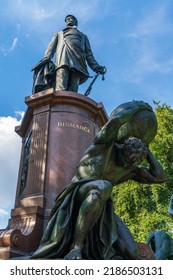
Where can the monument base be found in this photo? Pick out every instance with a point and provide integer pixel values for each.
(21, 235)
(56, 130)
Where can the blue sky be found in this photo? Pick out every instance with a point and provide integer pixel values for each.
(132, 38)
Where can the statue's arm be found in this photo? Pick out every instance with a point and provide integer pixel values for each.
(92, 62)
(152, 175)
(49, 53)
(109, 131)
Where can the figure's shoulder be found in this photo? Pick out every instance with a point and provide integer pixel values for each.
(96, 149)
(58, 32)
(58, 35)
(82, 34)
(55, 35)
(86, 37)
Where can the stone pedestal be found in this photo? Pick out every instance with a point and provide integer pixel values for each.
(56, 130)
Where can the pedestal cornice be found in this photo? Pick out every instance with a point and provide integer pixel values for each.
(51, 98)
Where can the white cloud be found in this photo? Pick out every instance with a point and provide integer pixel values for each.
(37, 20)
(155, 23)
(6, 49)
(10, 145)
(14, 44)
(3, 212)
(37, 12)
(147, 47)
(30, 10)
(4, 216)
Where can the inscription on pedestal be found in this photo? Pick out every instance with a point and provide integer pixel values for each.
(84, 127)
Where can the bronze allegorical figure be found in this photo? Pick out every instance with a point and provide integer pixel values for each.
(82, 223)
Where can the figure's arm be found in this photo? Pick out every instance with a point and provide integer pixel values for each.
(109, 131)
(49, 53)
(92, 62)
(152, 175)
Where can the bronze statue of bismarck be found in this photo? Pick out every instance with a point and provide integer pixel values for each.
(72, 54)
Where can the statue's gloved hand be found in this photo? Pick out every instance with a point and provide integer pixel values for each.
(100, 69)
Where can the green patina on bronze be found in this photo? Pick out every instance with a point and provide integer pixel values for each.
(162, 245)
(82, 224)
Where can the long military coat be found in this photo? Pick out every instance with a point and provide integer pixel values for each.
(72, 48)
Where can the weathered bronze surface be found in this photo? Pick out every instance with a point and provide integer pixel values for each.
(161, 244)
(82, 223)
(73, 51)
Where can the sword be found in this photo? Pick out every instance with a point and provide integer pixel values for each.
(93, 81)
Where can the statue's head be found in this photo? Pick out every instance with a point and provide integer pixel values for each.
(71, 20)
(134, 151)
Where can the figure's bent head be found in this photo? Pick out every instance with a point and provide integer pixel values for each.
(134, 151)
(71, 20)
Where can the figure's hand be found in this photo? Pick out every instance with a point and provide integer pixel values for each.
(100, 69)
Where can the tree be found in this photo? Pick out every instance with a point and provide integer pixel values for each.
(144, 208)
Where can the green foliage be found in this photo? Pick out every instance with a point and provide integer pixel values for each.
(144, 208)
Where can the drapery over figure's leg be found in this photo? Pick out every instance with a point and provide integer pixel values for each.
(92, 197)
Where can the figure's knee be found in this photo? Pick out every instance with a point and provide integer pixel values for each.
(95, 190)
(99, 193)
(93, 196)
(104, 189)
(129, 250)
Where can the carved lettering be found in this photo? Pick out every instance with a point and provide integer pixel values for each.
(84, 128)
